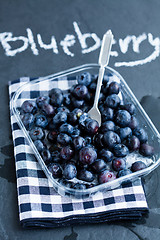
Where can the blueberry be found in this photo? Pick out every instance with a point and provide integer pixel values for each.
(106, 176)
(74, 116)
(55, 169)
(63, 109)
(41, 121)
(92, 127)
(113, 88)
(56, 97)
(28, 120)
(106, 155)
(70, 171)
(63, 139)
(59, 118)
(134, 123)
(84, 79)
(92, 87)
(48, 109)
(66, 153)
(107, 114)
(79, 186)
(120, 150)
(85, 175)
(39, 145)
(133, 143)
(78, 142)
(88, 140)
(46, 155)
(137, 166)
(42, 100)
(66, 99)
(118, 164)
(99, 165)
(65, 183)
(107, 126)
(76, 132)
(110, 139)
(77, 103)
(141, 134)
(146, 150)
(66, 128)
(98, 140)
(29, 107)
(124, 133)
(56, 156)
(112, 101)
(123, 118)
(37, 133)
(52, 136)
(82, 120)
(80, 91)
(123, 172)
(87, 155)
(130, 107)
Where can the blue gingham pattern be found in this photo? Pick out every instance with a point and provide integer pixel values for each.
(41, 206)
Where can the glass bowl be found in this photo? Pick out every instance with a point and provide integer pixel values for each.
(65, 80)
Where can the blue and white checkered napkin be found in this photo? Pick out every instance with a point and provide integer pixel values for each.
(41, 206)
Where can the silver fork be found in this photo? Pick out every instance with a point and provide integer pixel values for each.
(94, 112)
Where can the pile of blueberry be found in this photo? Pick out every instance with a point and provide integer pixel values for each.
(73, 146)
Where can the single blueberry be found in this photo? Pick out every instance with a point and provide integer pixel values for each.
(42, 100)
(107, 114)
(63, 139)
(120, 150)
(106, 176)
(134, 123)
(92, 127)
(41, 121)
(59, 118)
(80, 91)
(37, 133)
(133, 143)
(63, 109)
(29, 106)
(56, 97)
(118, 164)
(84, 79)
(110, 139)
(141, 134)
(66, 153)
(123, 172)
(106, 155)
(146, 150)
(70, 171)
(123, 118)
(113, 88)
(79, 186)
(107, 126)
(46, 156)
(137, 166)
(87, 155)
(78, 142)
(66, 99)
(124, 133)
(112, 101)
(99, 165)
(39, 145)
(28, 120)
(77, 103)
(85, 175)
(52, 136)
(130, 107)
(66, 128)
(76, 132)
(55, 169)
(48, 109)
(98, 141)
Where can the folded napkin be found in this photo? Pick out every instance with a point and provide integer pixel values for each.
(41, 206)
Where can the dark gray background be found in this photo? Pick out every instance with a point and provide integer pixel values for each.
(53, 17)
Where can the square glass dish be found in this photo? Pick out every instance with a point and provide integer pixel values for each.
(65, 80)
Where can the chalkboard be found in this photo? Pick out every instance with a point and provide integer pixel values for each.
(38, 38)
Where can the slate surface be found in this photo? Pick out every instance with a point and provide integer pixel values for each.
(55, 18)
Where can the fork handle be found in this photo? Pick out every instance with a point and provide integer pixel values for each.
(99, 84)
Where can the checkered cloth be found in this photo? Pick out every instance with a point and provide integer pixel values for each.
(41, 206)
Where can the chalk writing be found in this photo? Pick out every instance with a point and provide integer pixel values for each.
(35, 43)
